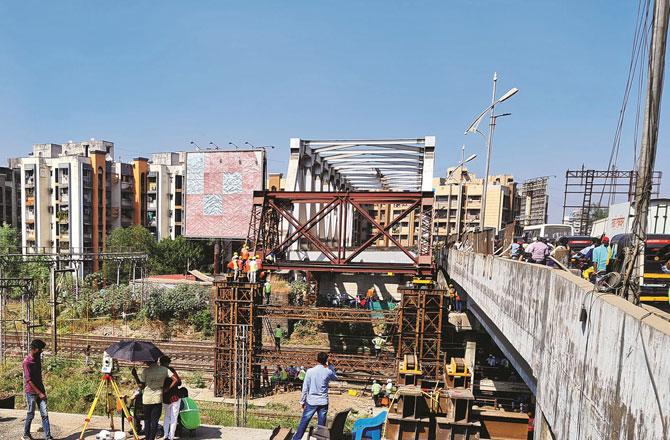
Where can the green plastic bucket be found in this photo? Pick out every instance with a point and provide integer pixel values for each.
(189, 413)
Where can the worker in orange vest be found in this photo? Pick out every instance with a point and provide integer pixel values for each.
(245, 252)
(369, 297)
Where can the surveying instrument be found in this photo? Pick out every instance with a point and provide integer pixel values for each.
(108, 388)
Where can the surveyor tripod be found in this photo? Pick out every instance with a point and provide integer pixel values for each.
(107, 383)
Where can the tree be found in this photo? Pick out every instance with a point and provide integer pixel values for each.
(135, 238)
(9, 244)
(598, 213)
(176, 256)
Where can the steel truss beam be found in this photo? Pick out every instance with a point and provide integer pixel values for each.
(338, 247)
(325, 314)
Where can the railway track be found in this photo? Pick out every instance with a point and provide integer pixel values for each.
(186, 355)
(199, 356)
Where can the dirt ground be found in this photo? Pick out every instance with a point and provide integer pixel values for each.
(338, 401)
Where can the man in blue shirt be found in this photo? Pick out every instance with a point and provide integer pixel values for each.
(601, 255)
(314, 398)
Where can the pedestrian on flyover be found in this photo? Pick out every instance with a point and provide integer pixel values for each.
(171, 401)
(314, 397)
(279, 334)
(538, 251)
(561, 252)
(36, 395)
(601, 256)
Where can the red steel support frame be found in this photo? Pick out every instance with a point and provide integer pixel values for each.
(339, 257)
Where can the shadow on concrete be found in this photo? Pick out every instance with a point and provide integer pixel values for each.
(90, 433)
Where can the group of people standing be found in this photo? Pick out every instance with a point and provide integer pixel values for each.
(158, 390)
(378, 392)
(282, 377)
(593, 260)
(245, 263)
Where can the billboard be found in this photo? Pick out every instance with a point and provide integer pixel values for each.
(218, 194)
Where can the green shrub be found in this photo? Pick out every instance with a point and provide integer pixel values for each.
(179, 303)
(202, 322)
(197, 381)
(305, 328)
(297, 289)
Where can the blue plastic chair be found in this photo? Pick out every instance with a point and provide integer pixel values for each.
(370, 428)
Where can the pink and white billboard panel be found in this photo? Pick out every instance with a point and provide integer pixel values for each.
(219, 191)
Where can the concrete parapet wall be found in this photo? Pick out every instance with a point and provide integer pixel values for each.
(607, 378)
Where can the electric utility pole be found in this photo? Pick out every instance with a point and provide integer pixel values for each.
(647, 159)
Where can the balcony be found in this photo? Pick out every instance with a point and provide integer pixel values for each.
(30, 235)
(30, 201)
(126, 203)
(64, 181)
(127, 186)
(152, 188)
(29, 183)
(151, 206)
(64, 199)
(30, 218)
(63, 216)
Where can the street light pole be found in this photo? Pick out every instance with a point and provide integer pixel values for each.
(489, 143)
(472, 128)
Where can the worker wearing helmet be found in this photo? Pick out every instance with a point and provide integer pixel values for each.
(235, 266)
(253, 270)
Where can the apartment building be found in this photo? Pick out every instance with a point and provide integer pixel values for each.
(458, 196)
(10, 196)
(74, 194)
(165, 199)
(275, 182)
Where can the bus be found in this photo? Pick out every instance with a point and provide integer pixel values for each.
(550, 231)
(654, 282)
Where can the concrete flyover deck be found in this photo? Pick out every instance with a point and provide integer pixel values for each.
(605, 378)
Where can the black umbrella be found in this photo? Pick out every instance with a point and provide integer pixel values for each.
(134, 351)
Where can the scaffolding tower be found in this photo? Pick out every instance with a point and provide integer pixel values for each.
(588, 190)
(534, 202)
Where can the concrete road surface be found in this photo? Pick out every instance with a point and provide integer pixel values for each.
(68, 427)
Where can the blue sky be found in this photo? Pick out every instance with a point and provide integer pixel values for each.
(152, 76)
